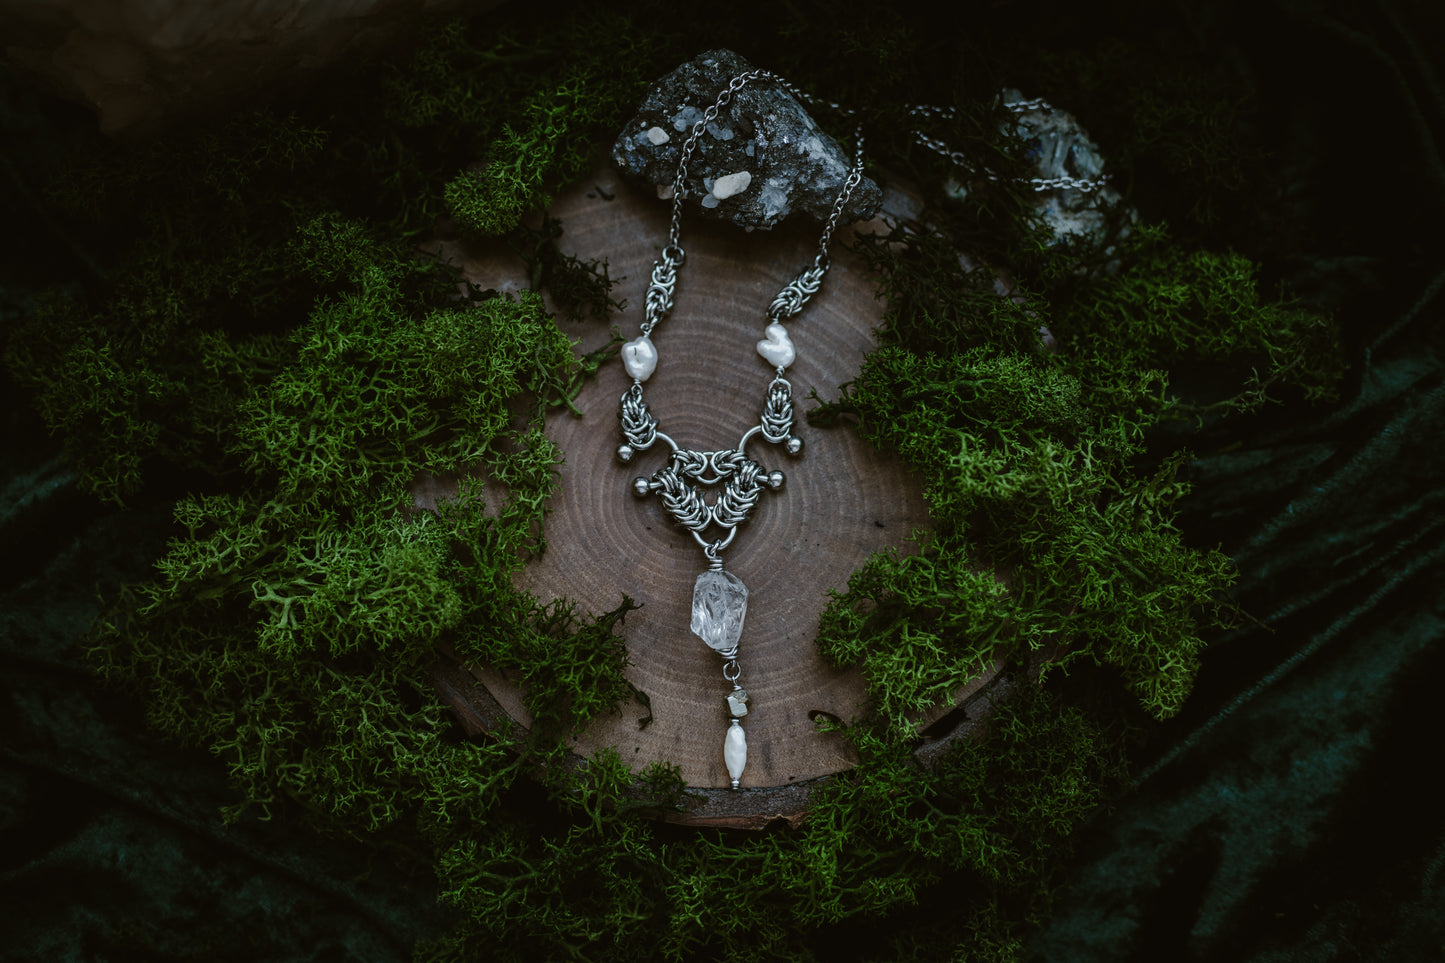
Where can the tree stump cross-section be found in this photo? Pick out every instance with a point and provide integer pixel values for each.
(841, 502)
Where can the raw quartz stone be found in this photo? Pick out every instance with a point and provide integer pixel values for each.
(719, 602)
(762, 160)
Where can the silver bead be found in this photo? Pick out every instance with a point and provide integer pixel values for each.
(794, 445)
(776, 479)
(641, 487)
(624, 452)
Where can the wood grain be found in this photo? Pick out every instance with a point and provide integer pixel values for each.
(841, 502)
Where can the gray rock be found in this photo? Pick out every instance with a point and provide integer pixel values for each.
(763, 159)
(1060, 148)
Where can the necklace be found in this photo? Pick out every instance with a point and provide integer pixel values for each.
(720, 599)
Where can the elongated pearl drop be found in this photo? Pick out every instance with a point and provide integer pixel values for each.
(735, 752)
(639, 357)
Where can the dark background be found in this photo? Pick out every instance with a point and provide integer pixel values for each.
(1289, 813)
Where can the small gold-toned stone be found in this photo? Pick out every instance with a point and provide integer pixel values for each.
(738, 702)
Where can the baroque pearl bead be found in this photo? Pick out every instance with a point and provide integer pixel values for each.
(735, 752)
(777, 347)
(639, 357)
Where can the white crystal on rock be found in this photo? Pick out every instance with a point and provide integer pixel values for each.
(735, 752)
(730, 184)
(719, 603)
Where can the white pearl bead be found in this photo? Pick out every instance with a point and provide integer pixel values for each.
(639, 357)
(735, 752)
(777, 349)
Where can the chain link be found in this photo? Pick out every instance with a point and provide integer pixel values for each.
(777, 420)
(639, 425)
(742, 476)
(796, 294)
(957, 158)
(710, 115)
(954, 157)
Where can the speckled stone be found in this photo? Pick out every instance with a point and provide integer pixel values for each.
(792, 165)
(1059, 147)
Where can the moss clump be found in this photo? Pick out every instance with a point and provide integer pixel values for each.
(213, 241)
(1116, 308)
(1042, 537)
(375, 389)
(1173, 309)
(1024, 416)
(889, 837)
(137, 383)
(589, 99)
(307, 603)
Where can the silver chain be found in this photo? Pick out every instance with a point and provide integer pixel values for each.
(957, 158)
(742, 478)
(796, 293)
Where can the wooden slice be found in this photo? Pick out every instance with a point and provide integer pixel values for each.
(841, 502)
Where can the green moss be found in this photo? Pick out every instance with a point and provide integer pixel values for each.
(135, 382)
(308, 602)
(1117, 311)
(594, 87)
(196, 231)
(1042, 536)
(988, 822)
(1169, 308)
(375, 389)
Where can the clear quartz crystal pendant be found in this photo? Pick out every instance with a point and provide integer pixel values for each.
(719, 603)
